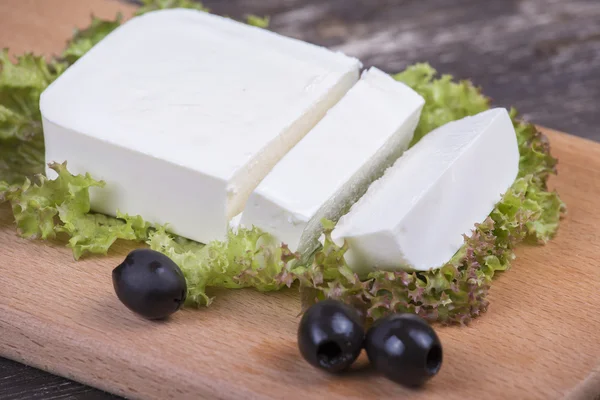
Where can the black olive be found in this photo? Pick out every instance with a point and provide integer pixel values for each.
(331, 335)
(150, 284)
(404, 348)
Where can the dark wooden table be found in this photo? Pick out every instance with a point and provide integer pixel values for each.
(541, 56)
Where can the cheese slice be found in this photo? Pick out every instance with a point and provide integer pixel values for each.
(415, 215)
(183, 113)
(332, 166)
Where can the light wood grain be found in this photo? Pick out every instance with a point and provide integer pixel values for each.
(43, 26)
(539, 340)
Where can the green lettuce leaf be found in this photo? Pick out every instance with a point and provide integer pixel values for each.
(21, 140)
(536, 159)
(95, 233)
(249, 258)
(84, 40)
(46, 207)
(445, 99)
(21, 158)
(153, 5)
(260, 22)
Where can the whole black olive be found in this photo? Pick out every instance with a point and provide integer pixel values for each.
(330, 335)
(404, 348)
(150, 284)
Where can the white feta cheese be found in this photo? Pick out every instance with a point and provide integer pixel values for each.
(415, 215)
(183, 113)
(332, 166)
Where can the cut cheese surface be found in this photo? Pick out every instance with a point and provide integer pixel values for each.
(183, 113)
(332, 166)
(415, 215)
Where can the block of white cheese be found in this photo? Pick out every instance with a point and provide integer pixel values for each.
(332, 166)
(415, 215)
(183, 113)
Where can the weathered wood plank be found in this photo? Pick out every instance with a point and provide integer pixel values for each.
(18, 381)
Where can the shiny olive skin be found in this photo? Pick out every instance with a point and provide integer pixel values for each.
(404, 348)
(150, 284)
(330, 335)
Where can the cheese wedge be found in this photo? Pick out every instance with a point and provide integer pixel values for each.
(183, 113)
(332, 166)
(415, 215)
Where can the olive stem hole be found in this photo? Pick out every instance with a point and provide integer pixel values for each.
(434, 360)
(329, 352)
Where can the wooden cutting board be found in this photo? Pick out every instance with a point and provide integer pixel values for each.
(540, 338)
